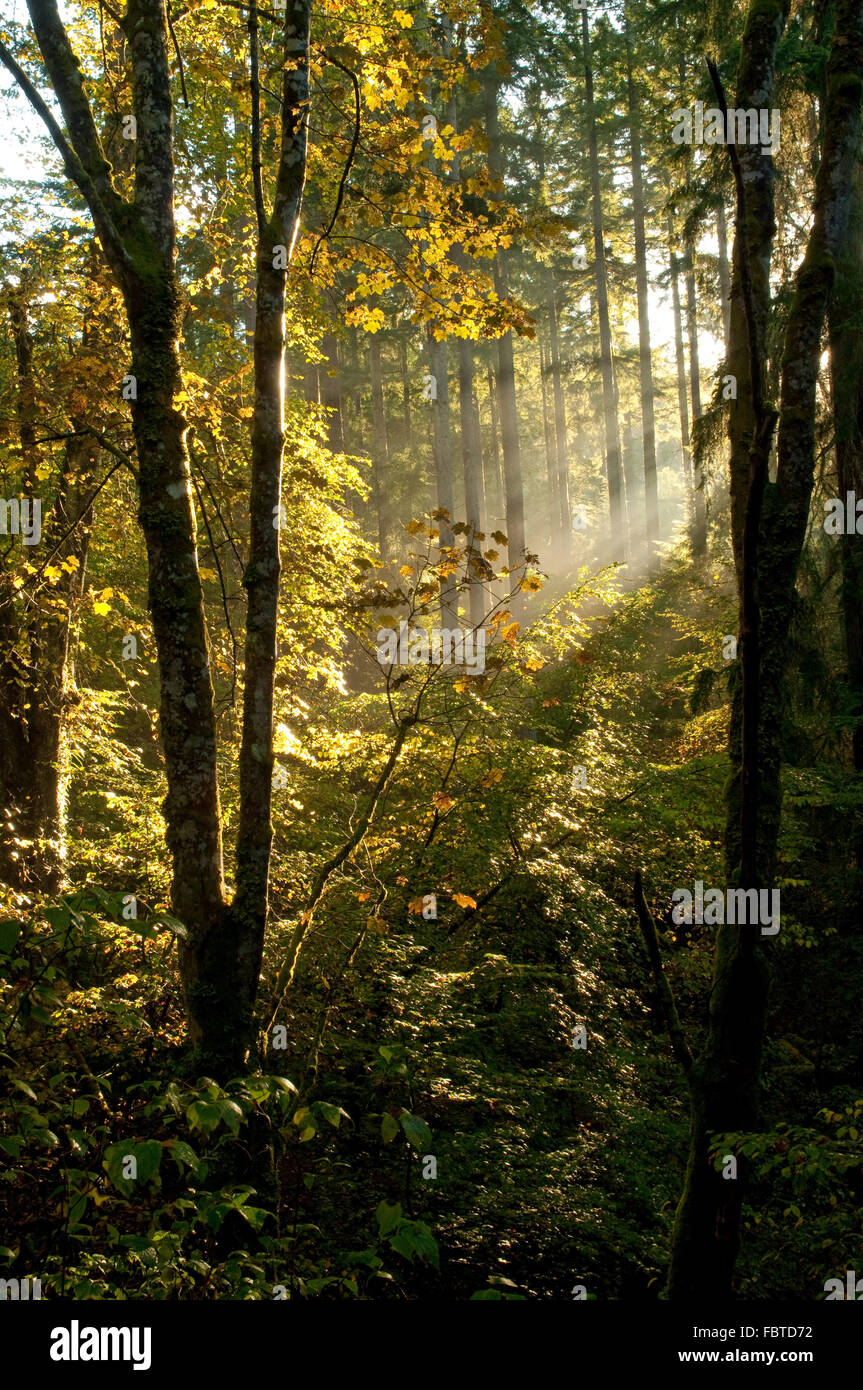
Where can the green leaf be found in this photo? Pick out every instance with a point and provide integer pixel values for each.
(113, 1161)
(10, 930)
(389, 1128)
(331, 1113)
(203, 1116)
(416, 1131)
(232, 1114)
(172, 923)
(182, 1153)
(389, 1215)
(148, 1155)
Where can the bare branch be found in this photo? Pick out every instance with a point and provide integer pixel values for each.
(666, 999)
(255, 86)
(347, 169)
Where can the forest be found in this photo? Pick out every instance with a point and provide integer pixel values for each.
(431, 651)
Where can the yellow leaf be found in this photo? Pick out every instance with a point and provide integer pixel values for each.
(463, 900)
(101, 608)
(403, 18)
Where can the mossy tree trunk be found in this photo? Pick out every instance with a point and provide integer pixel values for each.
(34, 642)
(239, 972)
(725, 1080)
(645, 360)
(138, 241)
(506, 391)
(613, 468)
(755, 82)
(846, 369)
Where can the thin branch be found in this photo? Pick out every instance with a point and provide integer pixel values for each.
(74, 166)
(745, 269)
(233, 543)
(329, 867)
(255, 88)
(347, 169)
(179, 57)
(215, 554)
(666, 999)
(112, 12)
(80, 517)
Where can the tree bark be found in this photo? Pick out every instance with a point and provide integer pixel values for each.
(846, 369)
(550, 460)
(699, 530)
(496, 490)
(559, 500)
(34, 646)
(472, 479)
(645, 360)
(613, 470)
(682, 396)
(406, 395)
(237, 968)
(380, 446)
(138, 240)
(754, 89)
(331, 394)
(506, 392)
(725, 1090)
(724, 271)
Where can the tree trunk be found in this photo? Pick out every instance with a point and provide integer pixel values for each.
(310, 383)
(406, 395)
(645, 361)
(754, 89)
(331, 394)
(496, 490)
(138, 240)
(380, 446)
(846, 368)
(506, 363)
(613, 470)
(724, 271)
(699, 531)
(34, 646)
(240, 964)
(472, 478)
(442, 445)
(550, 459)
(682, 397)
(725, 1088)
(559, 499)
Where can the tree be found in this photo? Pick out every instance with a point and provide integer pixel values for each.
(645, 361)
(724, 1082)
